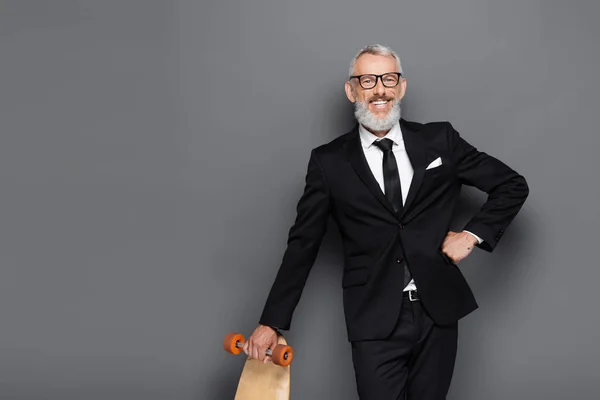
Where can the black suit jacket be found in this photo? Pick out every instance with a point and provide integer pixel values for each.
(377, 241)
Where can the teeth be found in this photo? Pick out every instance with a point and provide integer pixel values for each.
(379, 102)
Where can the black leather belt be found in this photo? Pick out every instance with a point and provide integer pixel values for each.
(411, 295)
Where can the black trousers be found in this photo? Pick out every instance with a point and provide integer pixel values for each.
(415, 362)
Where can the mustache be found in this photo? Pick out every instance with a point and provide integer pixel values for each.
(379, 98)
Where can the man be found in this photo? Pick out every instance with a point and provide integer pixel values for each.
(391, 186)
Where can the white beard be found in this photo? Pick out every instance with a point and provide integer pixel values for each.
(370, 120)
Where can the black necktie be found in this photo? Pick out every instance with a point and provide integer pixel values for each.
(391, 183)
(391, 177)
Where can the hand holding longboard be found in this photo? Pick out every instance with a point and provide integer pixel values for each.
(281, 355)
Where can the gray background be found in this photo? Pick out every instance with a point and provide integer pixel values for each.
(152, 154)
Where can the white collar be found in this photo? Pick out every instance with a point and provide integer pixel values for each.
(367, 138)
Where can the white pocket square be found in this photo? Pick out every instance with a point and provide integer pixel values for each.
(435, 163)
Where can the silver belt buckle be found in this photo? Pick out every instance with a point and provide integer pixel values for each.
(410, 295)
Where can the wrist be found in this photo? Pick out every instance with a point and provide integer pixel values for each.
(472, 238)
(274, 329)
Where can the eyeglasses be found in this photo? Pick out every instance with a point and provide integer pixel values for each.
(369, 81)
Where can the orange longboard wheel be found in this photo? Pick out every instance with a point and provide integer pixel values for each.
(282, 355)
(233, 343)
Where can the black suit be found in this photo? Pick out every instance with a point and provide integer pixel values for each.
(377, 241)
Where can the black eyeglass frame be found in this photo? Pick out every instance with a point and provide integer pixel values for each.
(377, 77)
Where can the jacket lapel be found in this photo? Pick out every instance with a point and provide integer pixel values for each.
(357, 159)
(416, 148)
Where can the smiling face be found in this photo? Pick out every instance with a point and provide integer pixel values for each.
(377, 108)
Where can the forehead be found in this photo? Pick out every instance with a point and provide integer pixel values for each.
(375, 64)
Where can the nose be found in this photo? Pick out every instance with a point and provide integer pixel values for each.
(379, 89)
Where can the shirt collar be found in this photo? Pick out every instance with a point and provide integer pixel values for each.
(367, 138)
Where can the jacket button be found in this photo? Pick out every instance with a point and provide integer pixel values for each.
(401, 226)
(399, 260)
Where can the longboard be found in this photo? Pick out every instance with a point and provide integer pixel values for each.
(260, 381)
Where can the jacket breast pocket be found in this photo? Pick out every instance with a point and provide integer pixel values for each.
(443, 171)
(355, 277)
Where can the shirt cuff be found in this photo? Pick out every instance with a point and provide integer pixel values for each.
(480, 240)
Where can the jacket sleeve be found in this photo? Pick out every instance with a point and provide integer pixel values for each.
(304, 241)
(506, 189)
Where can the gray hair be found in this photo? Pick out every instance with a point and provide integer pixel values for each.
(375, 49)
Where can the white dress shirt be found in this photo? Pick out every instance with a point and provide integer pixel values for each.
(374, 156)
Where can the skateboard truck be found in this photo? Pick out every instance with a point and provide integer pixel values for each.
(281, 355)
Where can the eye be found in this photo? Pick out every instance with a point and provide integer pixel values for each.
(391, 79)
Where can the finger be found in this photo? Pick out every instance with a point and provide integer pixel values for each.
(267, 359)
(449, 257)
(245, 348)
(262, 353)
(251, 348)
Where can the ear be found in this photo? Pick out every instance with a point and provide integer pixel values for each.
(349, 91)
(402, 89)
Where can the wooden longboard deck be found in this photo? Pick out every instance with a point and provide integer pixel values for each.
(261, 381)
